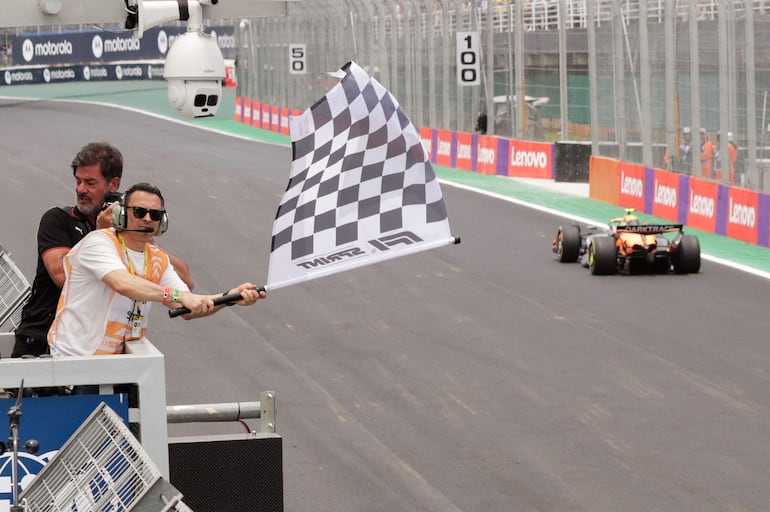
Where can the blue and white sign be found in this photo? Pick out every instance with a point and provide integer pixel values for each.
(92, 46)
(50, 421)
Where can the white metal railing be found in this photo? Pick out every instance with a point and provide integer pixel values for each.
(142, 365)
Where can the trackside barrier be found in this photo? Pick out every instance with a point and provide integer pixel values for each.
(486, 154)
(701, 204)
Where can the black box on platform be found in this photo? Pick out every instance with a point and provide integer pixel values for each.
(228, 473)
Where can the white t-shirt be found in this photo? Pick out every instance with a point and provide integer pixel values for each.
(92, 318)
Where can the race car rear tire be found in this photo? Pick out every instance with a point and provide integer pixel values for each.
(603, 258)
(687, 256)
(569, 244)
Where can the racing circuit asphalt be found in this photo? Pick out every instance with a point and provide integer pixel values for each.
(482, 376)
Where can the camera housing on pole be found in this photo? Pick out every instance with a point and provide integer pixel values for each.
(194, 66)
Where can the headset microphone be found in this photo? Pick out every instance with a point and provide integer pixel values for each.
(146, 229)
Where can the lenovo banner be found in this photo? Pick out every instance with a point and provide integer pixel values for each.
(665, 194)
(465, 151)
(742, 208)
(702, 205)
(444, 147)
(530, 159)
(631, 186)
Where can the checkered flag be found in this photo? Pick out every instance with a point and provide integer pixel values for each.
(362, 189)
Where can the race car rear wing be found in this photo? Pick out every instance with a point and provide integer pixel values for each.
(648, 229)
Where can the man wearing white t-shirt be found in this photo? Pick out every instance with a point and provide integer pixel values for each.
(114, 275)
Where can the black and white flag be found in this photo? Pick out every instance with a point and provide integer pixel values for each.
(362, 189)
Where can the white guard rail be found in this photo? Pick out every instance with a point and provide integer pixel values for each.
(142, 365)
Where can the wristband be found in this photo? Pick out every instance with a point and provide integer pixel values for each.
(225, 294)
(166, 291)
(175, 296)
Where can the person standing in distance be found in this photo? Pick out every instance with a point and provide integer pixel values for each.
(114, 275)
(97, 168)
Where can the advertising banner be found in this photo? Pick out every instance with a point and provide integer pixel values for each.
(247, 110)
(464, 155)
(238, 109)
(444, 147)
(531, 159)
(285, 121)
(702, 205)
(80, 73)
(107, 46)
(266, 116)
(631, 186)
(742, 213)
(663, 193)
(426, 136)
(256, 114)
(486, 154)
(275, 118)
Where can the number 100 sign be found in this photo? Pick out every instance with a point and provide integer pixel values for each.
(468, 72)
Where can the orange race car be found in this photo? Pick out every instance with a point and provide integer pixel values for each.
(627, 244)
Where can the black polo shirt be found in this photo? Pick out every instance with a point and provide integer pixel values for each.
(59, 227)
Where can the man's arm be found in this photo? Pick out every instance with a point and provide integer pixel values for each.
(182, 269)
(137, 288)
(53, 259)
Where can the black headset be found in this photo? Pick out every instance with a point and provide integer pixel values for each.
(120, 220)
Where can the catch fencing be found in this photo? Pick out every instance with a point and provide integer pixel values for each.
(627, 75)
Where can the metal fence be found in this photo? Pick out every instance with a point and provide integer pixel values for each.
(627, 75)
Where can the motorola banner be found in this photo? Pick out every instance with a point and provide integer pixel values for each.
(89, 73)
(106, 46)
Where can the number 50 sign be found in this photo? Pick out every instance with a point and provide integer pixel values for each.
(468, 58)
(297, 59)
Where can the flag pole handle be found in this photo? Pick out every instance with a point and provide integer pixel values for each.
(224, 299)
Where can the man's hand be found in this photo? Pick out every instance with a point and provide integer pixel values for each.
(199, 305)
(104, 218)
(249, 293)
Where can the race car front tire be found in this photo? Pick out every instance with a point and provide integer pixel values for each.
(603, 258)
(568, 240)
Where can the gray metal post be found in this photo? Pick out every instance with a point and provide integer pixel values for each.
(619, 82)
(695, 87)
(750, 164)
(645, 74)
(672, 101)
(593, 88)
(563, 79)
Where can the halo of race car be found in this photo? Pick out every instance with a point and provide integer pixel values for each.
(626, 245)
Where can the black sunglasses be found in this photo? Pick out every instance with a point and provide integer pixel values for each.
(140, 212)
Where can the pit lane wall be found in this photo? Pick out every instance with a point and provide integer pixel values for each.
(697, 203)
(484, 154)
